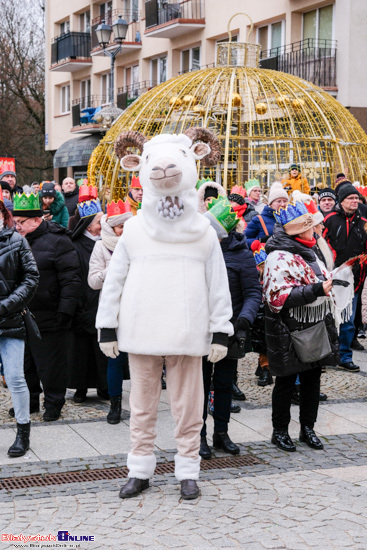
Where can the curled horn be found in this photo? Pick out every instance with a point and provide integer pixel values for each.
(131, 138)
(207, 136)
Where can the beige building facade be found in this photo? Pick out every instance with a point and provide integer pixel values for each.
(324, 42)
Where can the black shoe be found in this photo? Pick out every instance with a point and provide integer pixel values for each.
(258, 370)
(103, 394)
(189, 489)
(134, 487)
(34, 404)
(265, 378)
(163, 382)
(114, 415)
(308, 436)
(222, 441)
(361, 333)
(205, 451)
(282, 440)
(237, 393)
(356, 345)
(80, 396)
(295, 399)
(350, 367)
(51, 414)
(235, 408)
(21, 443)
(323, 396)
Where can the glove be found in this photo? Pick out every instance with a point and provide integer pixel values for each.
(265, 238)
(110, 349)
(217, 353)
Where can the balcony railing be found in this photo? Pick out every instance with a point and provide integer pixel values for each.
(165, 11)
(311, 59)
(127, 94)
(70, 45)
(131, 16)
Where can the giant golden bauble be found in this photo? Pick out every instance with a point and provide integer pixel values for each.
(175, 102)
(236, 100)
(282, 100)
(199, 109)
(298, 104)
(261, 108)
(189, 100)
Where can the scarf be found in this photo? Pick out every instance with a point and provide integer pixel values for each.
(109, 237)
(309, 244)
(284, 271)
(86, 233)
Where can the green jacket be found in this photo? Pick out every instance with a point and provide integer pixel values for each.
(58, 210)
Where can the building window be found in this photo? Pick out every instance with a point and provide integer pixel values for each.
(105, 11)
(84, 21)
(271, 37)
(158, 69)
(190, 60)
(85, 94)
(318, 24)
(65, 27)
(131, 10)
(105, 87)
(65, 99)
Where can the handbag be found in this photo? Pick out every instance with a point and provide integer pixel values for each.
(311, 344)
(31, 327)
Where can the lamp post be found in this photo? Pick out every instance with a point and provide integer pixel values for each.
(103, 32)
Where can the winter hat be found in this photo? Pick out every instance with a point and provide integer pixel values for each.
(117, 213)
(276, 191)
(258, 250)
(346, 190)
(210, 192)
(48, 189)
(221, 216)
(310, 205)
(252, 184)
(27, 206)
(6, 186)
(8, 173)
(238, 194)
(327, 192)
(294, 167)
(340, 181)
(295, 218)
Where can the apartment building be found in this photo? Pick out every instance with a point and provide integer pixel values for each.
(321, 41)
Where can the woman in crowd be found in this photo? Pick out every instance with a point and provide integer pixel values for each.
(53, 204)
(18, 282)
(112, 226)
(298, 294)
(253, 191)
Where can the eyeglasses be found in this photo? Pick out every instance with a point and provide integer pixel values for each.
(19, 224)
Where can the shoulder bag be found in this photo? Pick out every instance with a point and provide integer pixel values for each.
(311, 344)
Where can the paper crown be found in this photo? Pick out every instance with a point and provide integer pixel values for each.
(238, 190)
(290, 213)
(26, 205)
(135, 183)
(117, 208)
(82, 181)
(251, 184)
(202, 181)
(88, 204)
(362, 190)
(220, 209)
(1, 195)
(259, 253)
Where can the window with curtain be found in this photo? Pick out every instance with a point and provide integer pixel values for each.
(271, 37)
(318, 24)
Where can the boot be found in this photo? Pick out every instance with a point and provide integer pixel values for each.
(222, 441)
(34, 404)
(265, 378)
(189, 489)
(308, 436)
(205, 451)
(282, 440)
(21, 443)
(114, 415)
(133, 487)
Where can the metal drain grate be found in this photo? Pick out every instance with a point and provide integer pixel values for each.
(24, 482)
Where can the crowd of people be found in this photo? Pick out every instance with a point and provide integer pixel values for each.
(289, 273)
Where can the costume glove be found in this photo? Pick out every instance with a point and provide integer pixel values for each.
(217, 353)
(110, 349)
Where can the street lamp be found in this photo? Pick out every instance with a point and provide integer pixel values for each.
(103, 32)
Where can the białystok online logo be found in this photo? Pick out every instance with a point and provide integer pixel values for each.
(62, 536)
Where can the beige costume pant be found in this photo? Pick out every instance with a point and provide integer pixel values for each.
(185, 388)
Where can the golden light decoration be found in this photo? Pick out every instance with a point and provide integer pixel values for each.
(300, 123)
(189, 100)
(261, 108)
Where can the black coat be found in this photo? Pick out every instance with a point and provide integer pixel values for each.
(347, 237)
(18, 282)
(282, 359)
(60, 281)
(71, 200)
(242, 277)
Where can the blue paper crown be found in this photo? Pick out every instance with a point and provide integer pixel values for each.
(260, 255)
(89, 208)
(290, 213)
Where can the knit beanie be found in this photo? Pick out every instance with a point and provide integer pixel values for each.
(276, 191)
(327, 192)
(6, 186)
(48, 189)
(345, 191)
(210, 192)
(8, 173)
(340, 181)
(234, 197)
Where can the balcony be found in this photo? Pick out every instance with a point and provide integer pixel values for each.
(168, 19)
(128, 94)
(71, 52)
(133, 36)
(84, 110)
(310, 59)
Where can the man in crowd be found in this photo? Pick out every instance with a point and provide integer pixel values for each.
(327, 200)
(11, 177)
(70, 191)
(53, 304)
(345, 232)
(135, 195)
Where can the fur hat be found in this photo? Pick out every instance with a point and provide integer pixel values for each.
(276, 191)
(346, 190)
